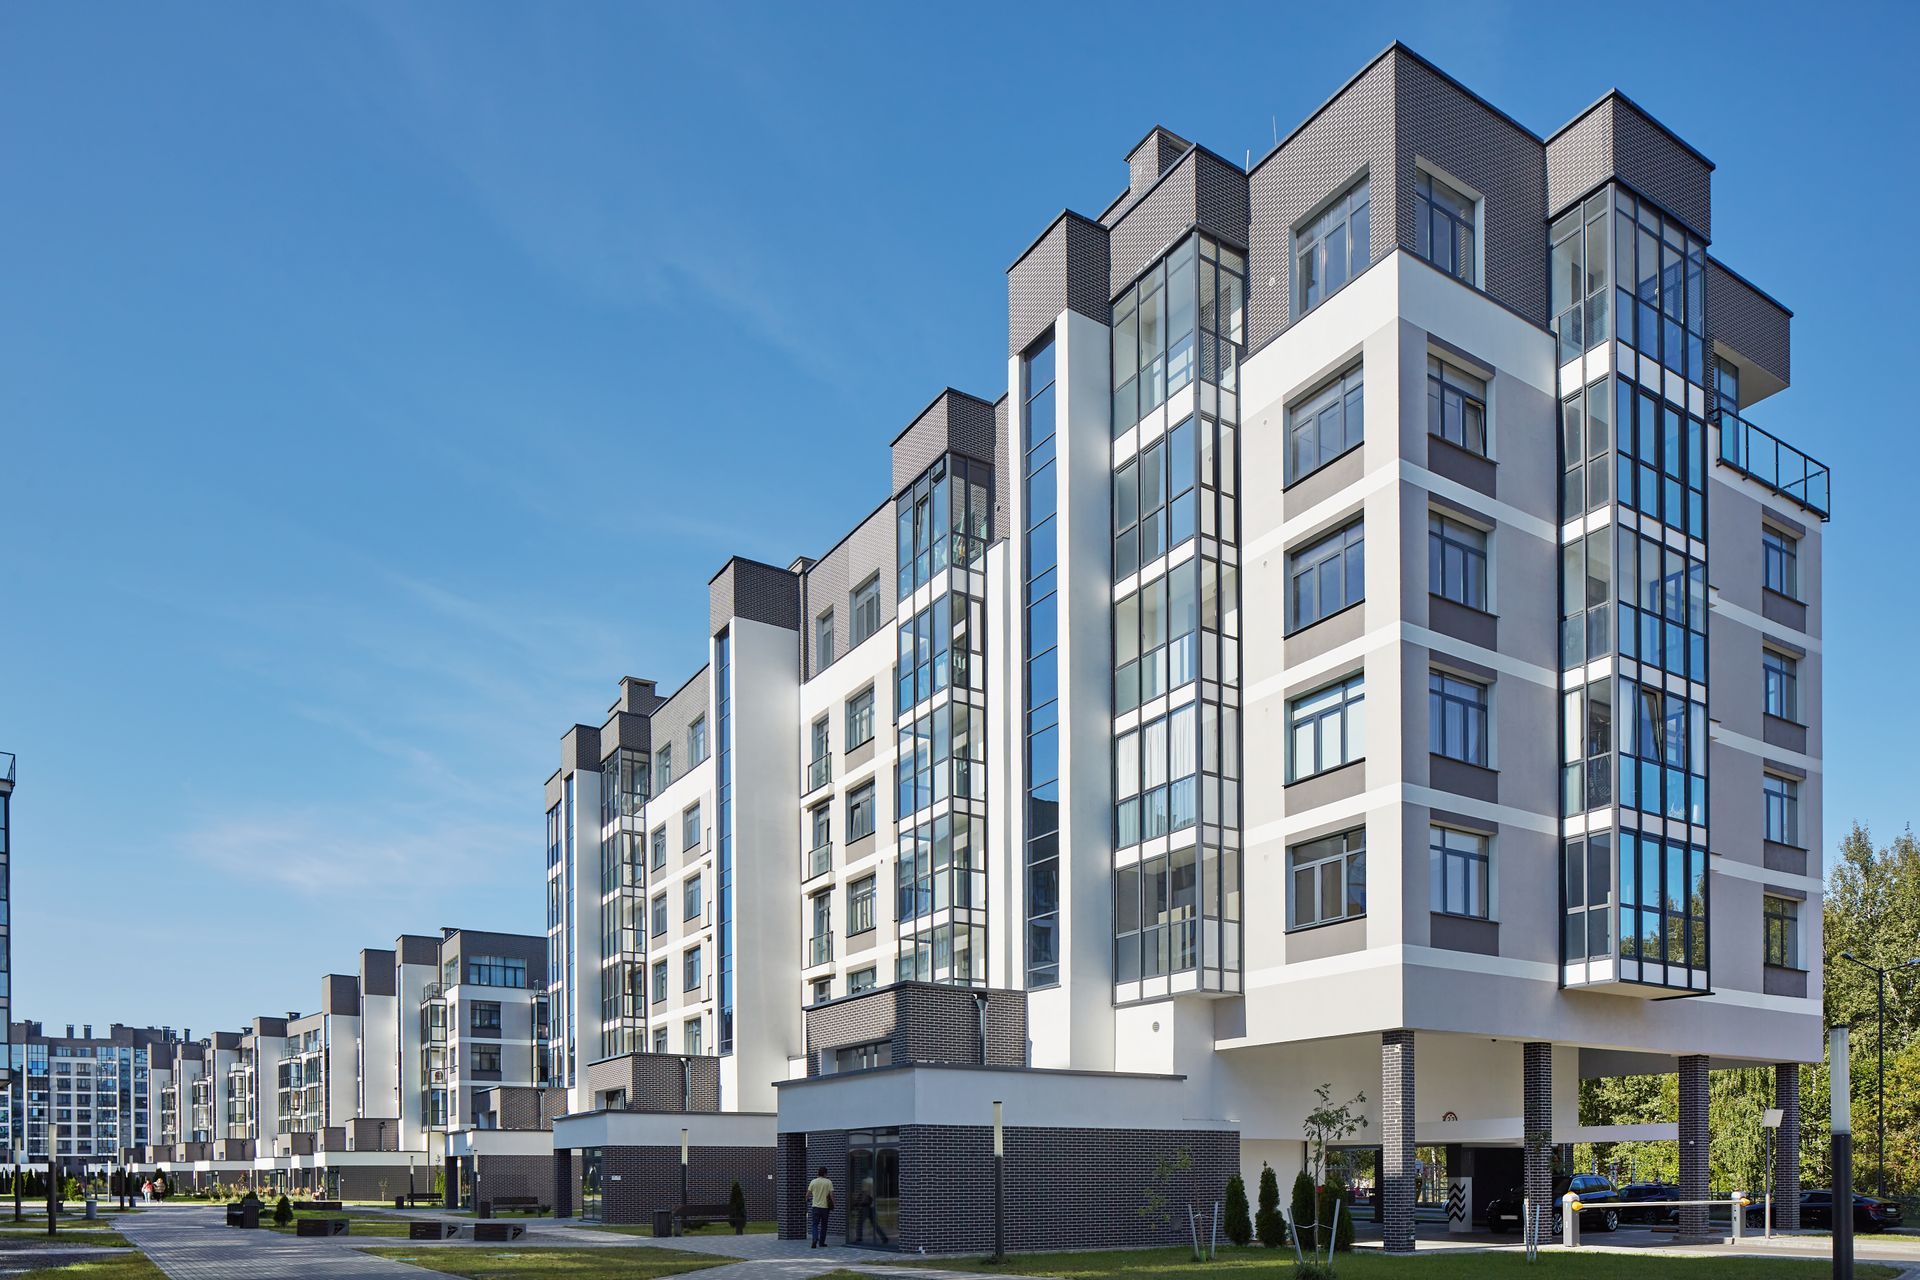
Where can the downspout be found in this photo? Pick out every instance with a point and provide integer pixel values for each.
(980, 1001)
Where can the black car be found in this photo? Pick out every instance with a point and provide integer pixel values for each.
(1592, 1190)
(1870, 1213)
(1644, 1191)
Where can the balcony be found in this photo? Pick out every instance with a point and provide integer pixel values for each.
(820, 949)
(1760, 455)
(816, 862)
(819, 773)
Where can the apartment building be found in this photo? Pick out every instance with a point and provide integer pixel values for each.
(6, 894)
(1373, 641)
(80, 1098)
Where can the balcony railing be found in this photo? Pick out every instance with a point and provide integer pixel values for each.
(6, 766)
(818, 772)
(820, 948)
(1763, 456)
(817, 862)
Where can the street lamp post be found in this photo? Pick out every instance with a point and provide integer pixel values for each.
(999, 1186)
(1880, 1068)
(1770, 1121)
(683, 1178)
(1840, 1078)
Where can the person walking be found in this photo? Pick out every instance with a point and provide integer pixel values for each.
(819, 1205)
(864, 1215)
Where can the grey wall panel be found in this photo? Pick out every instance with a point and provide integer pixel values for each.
(1351, 134)
(865, 552)
(580, 750)
(1615, 138)
(754, 591)
(1752, 325)
(1003, 477)
(676, 716)
(954, 423)
(376, 973)
(624, 729)
(1065, 270)
(1579, 158)
(1220, 198)
(1150, 224)
(1456, 133)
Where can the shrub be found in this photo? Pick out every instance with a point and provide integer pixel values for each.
(737, 1209)
(1311, 1270)
(1269, 1225)
(1336, 1192)
(70, 1189)
(1239, 1223)
(283, 1212)
(1303, 1211)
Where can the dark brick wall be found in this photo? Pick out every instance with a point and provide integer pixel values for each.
(563, 1178)
(1748, 322)
(1536, 1082)
(649, 1179)
(790, 1179)
(1065, 270)
(513, 1106)
(658, 1081)
(954, 423)
(1694, 1143)
(359, 1182)
(1397, 1160)
(925, 1022)
(515, 1176)
(1786, 1150)
(754, 591)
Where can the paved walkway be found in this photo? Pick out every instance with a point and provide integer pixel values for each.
(191, 1242)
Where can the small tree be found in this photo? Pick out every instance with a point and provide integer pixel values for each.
(1326, 1124)
(1270, 1226)
(1336, 1192)
(1303, 1215)
(737, 1209)
(1239, 1223)
(70, 1189)
(283, 1212)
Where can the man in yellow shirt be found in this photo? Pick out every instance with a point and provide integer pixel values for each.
(819, 1205)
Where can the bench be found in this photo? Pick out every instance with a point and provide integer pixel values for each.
(244, 1213)
(422, 1197)
(523, 1204)
(433, 1230)
(319, 1206)
(320, 1226)
(498, 1232)
(701, 1215)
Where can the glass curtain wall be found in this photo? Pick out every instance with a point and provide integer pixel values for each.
(623, 897)
(1177, 336)
(944, 521)
(1040, 683)
(1633, 640)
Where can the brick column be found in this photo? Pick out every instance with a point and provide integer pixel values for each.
(1536, 1084)
(790, 1186)
(1397, 1188)
(563, 1184)
(1786, 1147)
(1693, 1144)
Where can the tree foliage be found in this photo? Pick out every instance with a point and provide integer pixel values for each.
(1303, 1214)
(1269, 1225)
(1239, 1217)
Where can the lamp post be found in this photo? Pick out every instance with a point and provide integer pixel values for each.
(999, 1184)
(1770, 1121)
(1840, 1078)
(683, 1176)
(1880, 1070)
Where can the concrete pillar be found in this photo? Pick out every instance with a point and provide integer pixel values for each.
(563, 1184)
(790, 1186)
(1536, 1124)
(1397, 1177)
(1694, 1139)
(1786, 1149)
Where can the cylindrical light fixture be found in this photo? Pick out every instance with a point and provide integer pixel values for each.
(683, 1146)
(1841, 1079)
(999, 1132)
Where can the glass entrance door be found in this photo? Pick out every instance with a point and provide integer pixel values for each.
(590, 1161)
(873, 1188)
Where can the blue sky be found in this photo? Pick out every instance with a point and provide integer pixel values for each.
(354, 362)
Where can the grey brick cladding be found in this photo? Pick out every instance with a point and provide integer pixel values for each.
(1786, 1150)
(1748, 322)
(340, 993)
(1398, 1163)
(924, 1022)
(380, 1182)
(1002, 461)
(463, 943)
(756, 592)
(1156, 153)
(513, 1106)
(675, 717)
(791, 1171)
(658, 1081)
(372, 1134)
(628, 730)
(1066, 269)
(1694, 1144)
(1536, 1123)
(514, 1176)
(828, 584)
(416, 948)
(1202, 189)
(565, 1180)
(1614, 138)
(1065, 1188)
(635, 1181)
(954, 422)
(553, 1104)
(270, 1027)
(376, 973)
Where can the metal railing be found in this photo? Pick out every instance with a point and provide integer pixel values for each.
(818, 772)
(817, 862)
(820, 948)
(6, 767)
(1571, 1207)
(1763, 456)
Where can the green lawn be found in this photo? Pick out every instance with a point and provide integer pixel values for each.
(33, 1235)
(125, 1266)
(600, 1263)
(361, 1224)
(755, 1227)
(1263, 1264)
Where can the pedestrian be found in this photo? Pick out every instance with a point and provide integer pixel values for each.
(819, 1205)
(864, 1215)
(146, 1190)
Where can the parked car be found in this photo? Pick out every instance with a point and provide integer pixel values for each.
(1593, 1191)
(1870, 1213)
(1643, 1191)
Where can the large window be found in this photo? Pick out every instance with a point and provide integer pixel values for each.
(860, 718)
(1457, 561)
(697, 740)
(1781, 798)
(1457, 718)
(663, 764)
(692, 1042)
(1461, 872)
(659, 858)
(1154, 768)
(1780, 563)
(1663, 748)
(860, 896)
(1443, 225)
(1326, 425)
(1782, 917)
(1327, 576)
(1153, 338)
(1581, 282)
(486, 1059)
(946, 517)
(1042, 678)
(1153, 637)
(1328, 728)
(1332, 249)
(1661, 303)
(860, 812)
(1780, 684)
(1329, 879)
(497, 971)
(657, 915)
(485, 1015)
(1154, 501)
(1663, 903)
(690, 898)
(864, 606)
(1586, 437)
(823, 641)
(1456, 406)
(659, 981)
(690, 969)
(690, 827)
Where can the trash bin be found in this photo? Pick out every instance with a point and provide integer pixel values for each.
(662, 1223)
(93, 1209)
(483, 1209)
